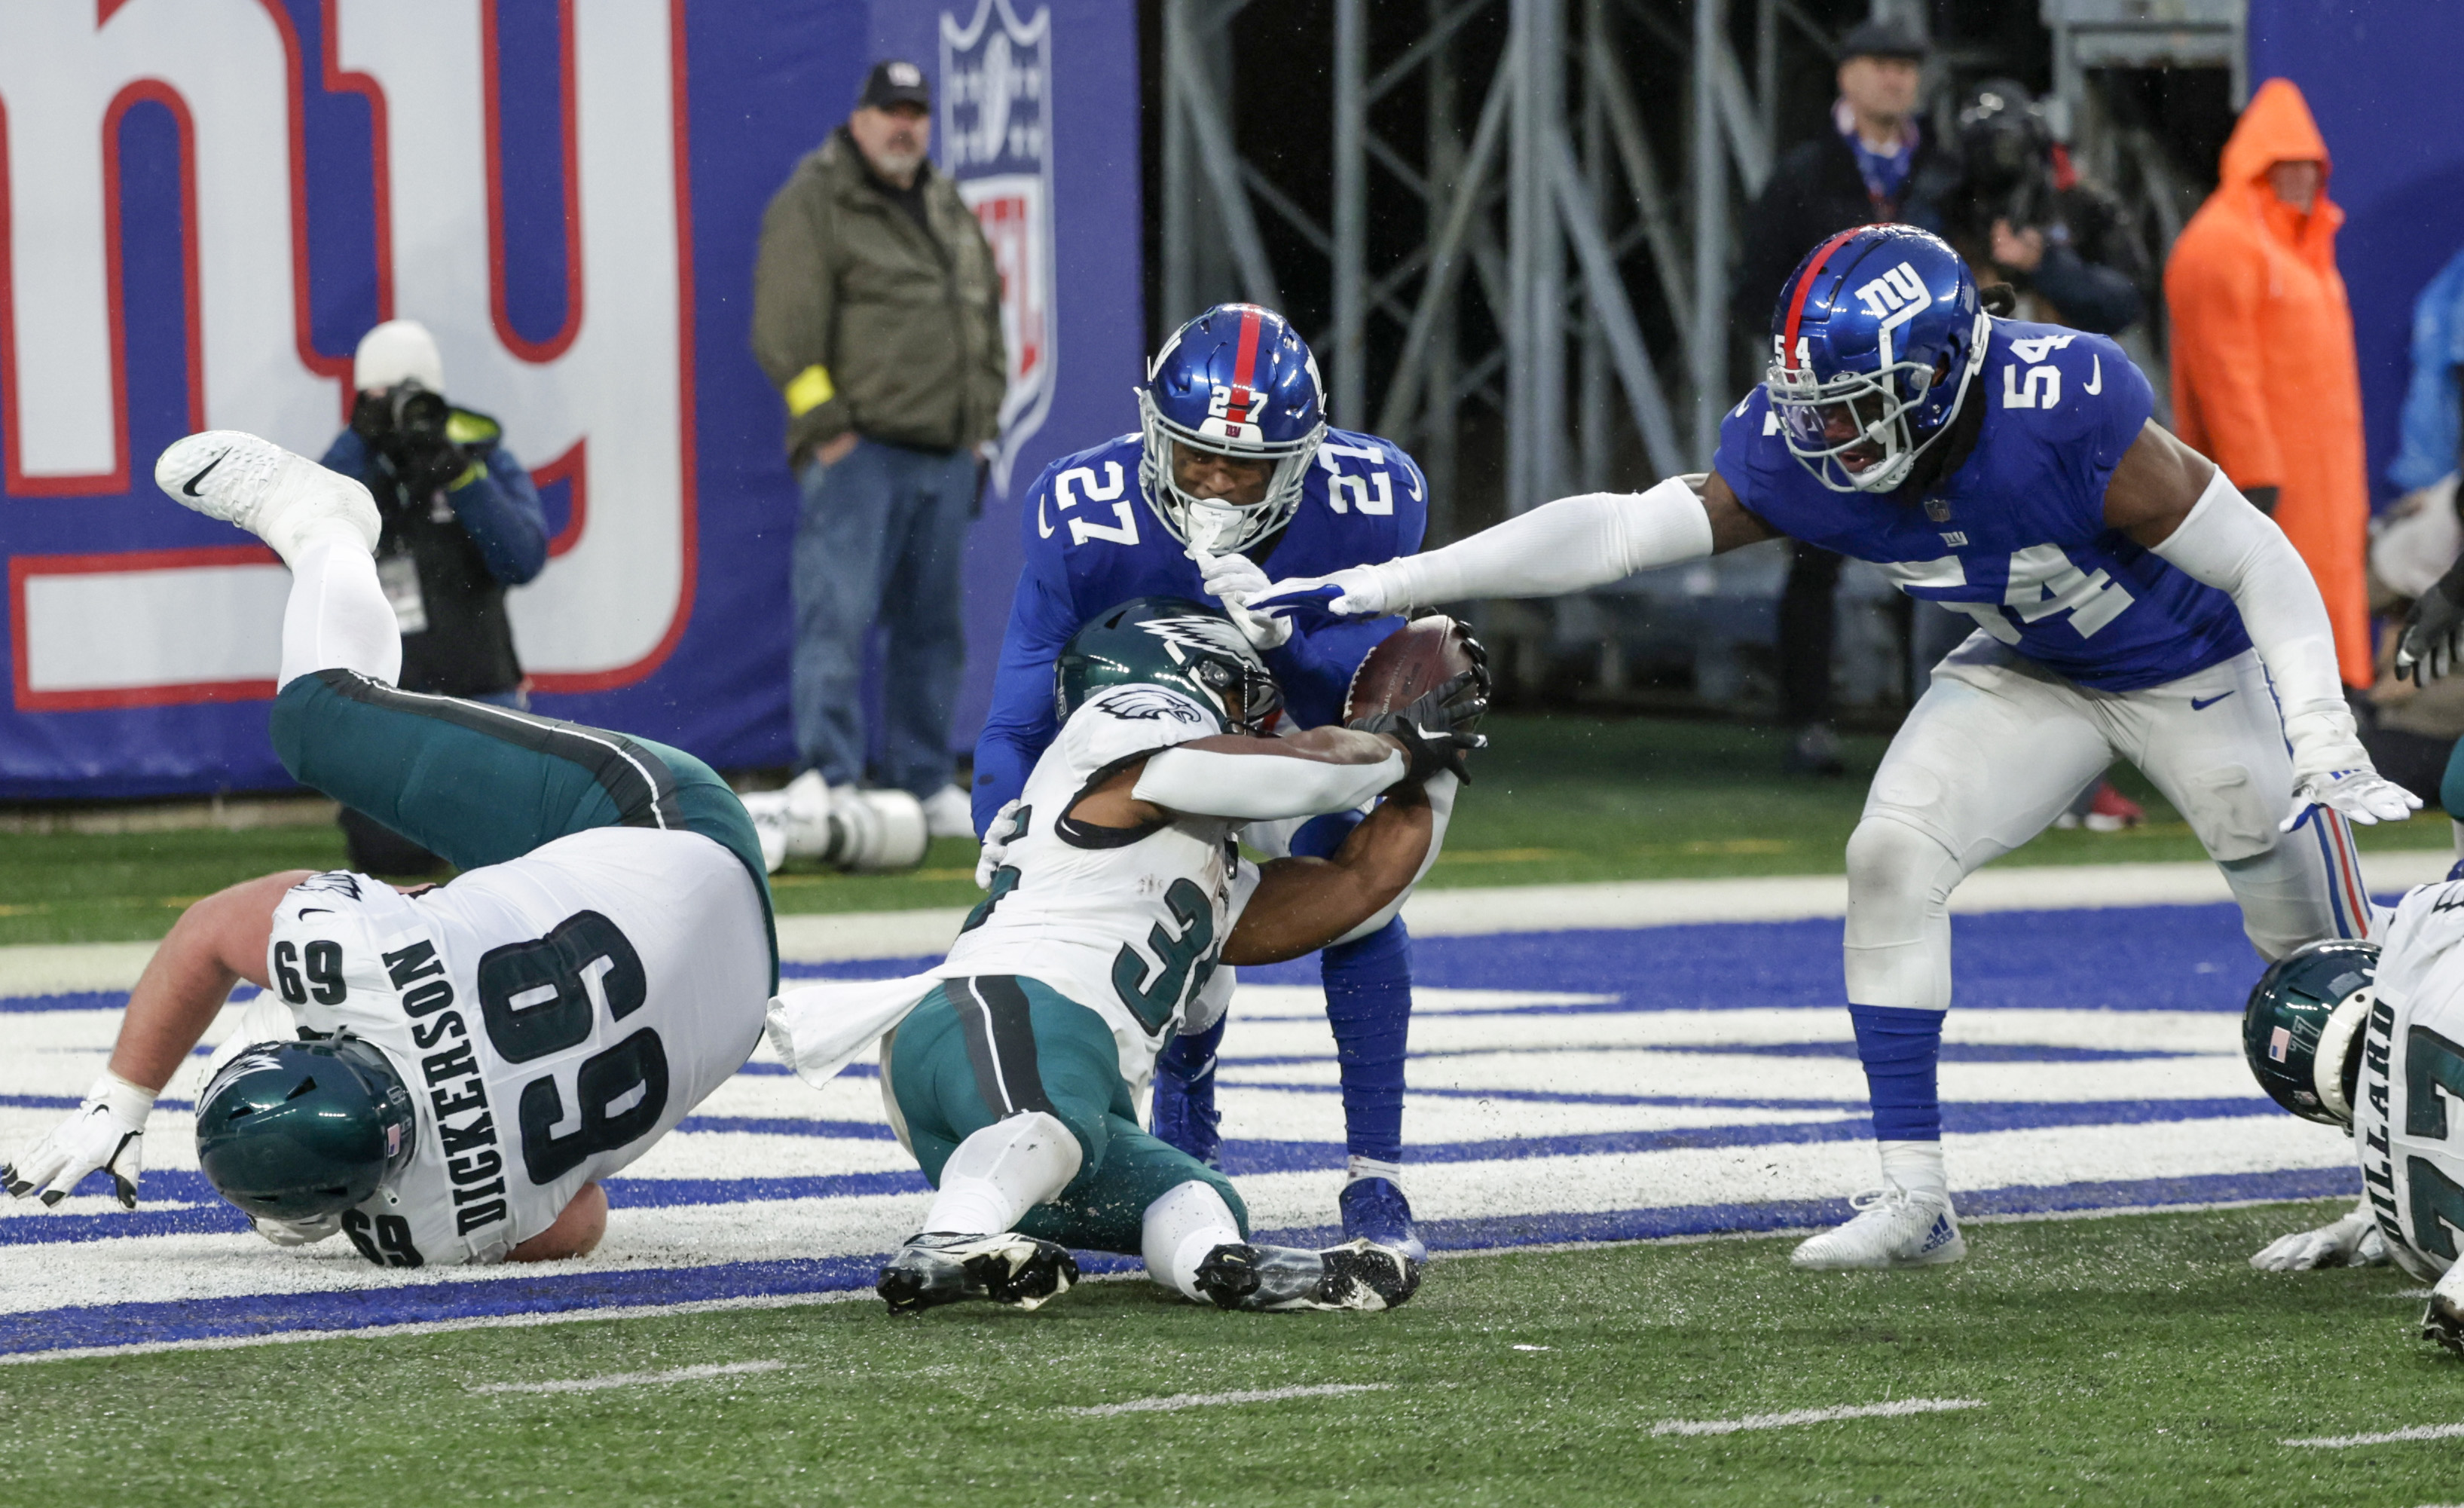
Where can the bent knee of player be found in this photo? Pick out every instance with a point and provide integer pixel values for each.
(1897, 943)
(576, 1232)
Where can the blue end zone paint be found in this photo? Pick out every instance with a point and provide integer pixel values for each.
(273, 1314)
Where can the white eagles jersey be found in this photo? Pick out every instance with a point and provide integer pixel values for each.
(2409, 1104)
(552, 1017)
(1128, 922)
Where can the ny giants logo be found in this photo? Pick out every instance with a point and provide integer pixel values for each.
(1895, 297)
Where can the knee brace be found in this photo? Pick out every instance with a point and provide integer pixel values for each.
(1000, 1172)
(1188, 1221)
(1897, 944)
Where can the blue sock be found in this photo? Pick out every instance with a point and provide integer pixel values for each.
(1184, 1114)
(1369, 1004)
(1900, 1049)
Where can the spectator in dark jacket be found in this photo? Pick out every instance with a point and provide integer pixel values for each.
(1874, 164)
(2022, 215)
(462, 522)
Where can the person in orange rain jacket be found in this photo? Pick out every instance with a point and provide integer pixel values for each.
(2264, 377)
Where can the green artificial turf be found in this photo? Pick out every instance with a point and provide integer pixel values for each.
(2129, 1360)
(1555, 799)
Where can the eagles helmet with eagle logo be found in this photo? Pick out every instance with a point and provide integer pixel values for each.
(1236, 380)
(1174, 642)
(1880, 325)
(293, 1131)
(2302, 1029)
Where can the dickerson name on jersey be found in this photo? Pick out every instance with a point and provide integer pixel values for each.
(471, 1158)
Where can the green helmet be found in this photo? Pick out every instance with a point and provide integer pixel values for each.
(1174, 642)
(294, 1130)
(2303, 1028)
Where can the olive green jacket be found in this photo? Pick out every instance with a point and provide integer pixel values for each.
(865, 323)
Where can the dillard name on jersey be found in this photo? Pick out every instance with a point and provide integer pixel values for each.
(2378, 1158)
(454, 1086)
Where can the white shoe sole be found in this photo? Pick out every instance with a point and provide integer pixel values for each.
(1950, 1250)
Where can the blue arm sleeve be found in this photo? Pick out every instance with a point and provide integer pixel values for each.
(500, 510)
(1021, 724)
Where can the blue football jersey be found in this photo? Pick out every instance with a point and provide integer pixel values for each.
(2016, 536)
(1091, 542)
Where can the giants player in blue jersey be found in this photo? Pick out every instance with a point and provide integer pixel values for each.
(2129, 602)
(1233, 468)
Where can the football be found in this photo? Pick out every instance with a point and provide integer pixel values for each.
(1407, 665)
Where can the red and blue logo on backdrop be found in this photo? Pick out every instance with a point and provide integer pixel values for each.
(205, 203)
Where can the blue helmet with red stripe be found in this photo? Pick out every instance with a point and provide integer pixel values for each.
(1874, 343)
(1236, 381)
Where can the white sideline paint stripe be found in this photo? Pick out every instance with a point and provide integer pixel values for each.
(1255, 1395)
(389, 1332)
(2419, 1431)
(592, 1384)
(1778, 1421)
(45, 969)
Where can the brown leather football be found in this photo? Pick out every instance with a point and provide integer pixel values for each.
(1411, 662)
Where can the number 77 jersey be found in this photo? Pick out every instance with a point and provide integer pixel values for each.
(552, 1017)
(2015, 536)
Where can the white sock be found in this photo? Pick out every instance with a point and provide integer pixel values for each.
(1360, 1168)
(1181, 1227)
(1915, 1166)
(1001, 1171)
(337, 616)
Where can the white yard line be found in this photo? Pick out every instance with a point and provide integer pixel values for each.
(592, 1384)
(1258, 1395)
(1472, 911)
(2419, 1431)
(1794, 1416)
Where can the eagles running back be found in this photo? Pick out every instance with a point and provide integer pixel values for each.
(1126, 923)
(552, 1016)
(2409, 1104)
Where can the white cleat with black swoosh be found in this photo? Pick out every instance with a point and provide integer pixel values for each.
(285, 499)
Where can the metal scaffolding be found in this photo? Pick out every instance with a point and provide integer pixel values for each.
(1545, 238)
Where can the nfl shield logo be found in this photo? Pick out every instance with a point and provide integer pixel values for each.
(996, 99)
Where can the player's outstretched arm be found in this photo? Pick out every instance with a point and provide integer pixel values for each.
(1560, 546)
(215, 944)
(1248, 779)
(577, 1231)
(2170, 500)
(1303, 904)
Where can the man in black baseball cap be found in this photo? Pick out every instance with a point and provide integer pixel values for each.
(893, 82)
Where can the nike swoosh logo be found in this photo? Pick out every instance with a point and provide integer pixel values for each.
(316, 911)
(190, 485)
(2096, 385)
(2197, 705)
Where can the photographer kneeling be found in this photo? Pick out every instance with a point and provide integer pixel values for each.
(462, 522)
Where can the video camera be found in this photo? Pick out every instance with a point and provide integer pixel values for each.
(2007, 149)
(406, 424)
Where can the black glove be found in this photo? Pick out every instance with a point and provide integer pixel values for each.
(1436, 730)
(2264, 498)
(1481, 679)
(2434, 634)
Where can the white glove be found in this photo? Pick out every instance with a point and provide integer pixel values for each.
(2354, 1241)
(107, 1132)
(2331, 769)
(1358, 591)
(1232, 579)
(295, 1232)
(997, 833)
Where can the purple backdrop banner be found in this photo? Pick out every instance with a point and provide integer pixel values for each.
(205, 203)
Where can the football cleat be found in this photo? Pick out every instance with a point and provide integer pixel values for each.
(936, 1268)
(262, 487)
(2443, 1321)
(1358, 1274)
(1893, 1228)
(1375, 1210)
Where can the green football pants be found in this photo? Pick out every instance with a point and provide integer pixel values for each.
(984, 1049)
(479, 784)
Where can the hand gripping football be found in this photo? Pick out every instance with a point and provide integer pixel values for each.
(1414, 660)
